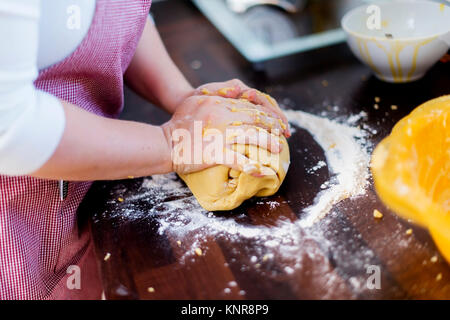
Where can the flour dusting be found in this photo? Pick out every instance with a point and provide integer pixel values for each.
(291, 243)
(346, 150)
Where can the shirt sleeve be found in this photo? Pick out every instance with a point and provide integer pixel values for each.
(31, 121)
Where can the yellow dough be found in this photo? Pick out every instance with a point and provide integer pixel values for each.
(221, 188)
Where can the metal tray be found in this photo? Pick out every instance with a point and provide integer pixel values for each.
(265, 32)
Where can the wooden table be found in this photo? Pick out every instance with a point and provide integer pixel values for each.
(333, 265)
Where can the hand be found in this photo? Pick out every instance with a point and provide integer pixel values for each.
(204, 129)
(236, 89)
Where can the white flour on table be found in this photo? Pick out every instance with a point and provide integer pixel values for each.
(346, 150)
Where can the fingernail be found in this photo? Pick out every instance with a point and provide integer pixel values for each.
(251, 168)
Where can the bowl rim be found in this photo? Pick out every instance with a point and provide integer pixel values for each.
(379, 38)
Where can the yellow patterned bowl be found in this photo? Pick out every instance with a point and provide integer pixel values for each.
(399, 40)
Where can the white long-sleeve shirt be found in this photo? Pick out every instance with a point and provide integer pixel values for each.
(34, 34)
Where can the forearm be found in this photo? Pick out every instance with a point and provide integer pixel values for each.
(96, 148)
(154, 75)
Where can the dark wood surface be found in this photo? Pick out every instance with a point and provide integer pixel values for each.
(140, 257)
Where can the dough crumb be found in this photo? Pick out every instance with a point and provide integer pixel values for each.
(434, 259)
(439, 277)
(267, 257)
(377, 214)
(107, 256)
(409, 232)
(151, 289)
(198, 252)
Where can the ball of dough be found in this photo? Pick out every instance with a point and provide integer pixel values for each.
(221, 188)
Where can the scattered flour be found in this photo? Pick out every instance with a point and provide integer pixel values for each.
(346, 151)
(318, 166)
(348, 159)
(180, 216)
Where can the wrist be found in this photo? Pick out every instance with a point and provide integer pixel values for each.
(174, 99)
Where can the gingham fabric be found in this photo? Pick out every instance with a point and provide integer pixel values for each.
(39, 235)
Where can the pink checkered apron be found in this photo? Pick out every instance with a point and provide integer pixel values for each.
(39, 236)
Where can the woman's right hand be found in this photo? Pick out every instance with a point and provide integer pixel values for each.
(236, 89)
(203, 130)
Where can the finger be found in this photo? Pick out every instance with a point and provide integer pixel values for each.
(228, 89)
(265, 100)
(239, 114)
(261, 115)
(239, 162)
(221, 91)
(257, 97)
(255, 116)
(259, 110)
(272, 126)
(249, 135)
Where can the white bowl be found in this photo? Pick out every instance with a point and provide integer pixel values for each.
(409, 38)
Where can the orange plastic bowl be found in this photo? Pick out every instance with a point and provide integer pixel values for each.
(411, 169)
